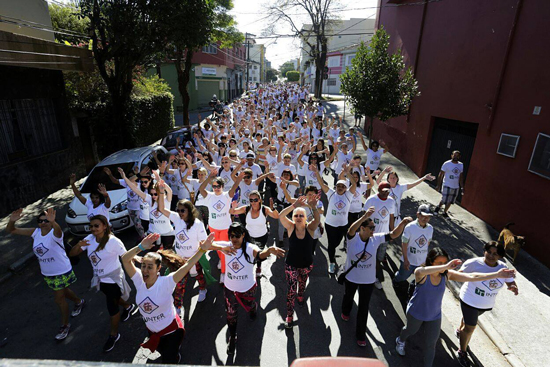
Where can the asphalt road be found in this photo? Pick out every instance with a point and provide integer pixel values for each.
(30, 319)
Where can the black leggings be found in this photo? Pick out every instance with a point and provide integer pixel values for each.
(261, 241)
(112, 296)
(365, 291)
(169, 346)
(334, 235)
(203, 211)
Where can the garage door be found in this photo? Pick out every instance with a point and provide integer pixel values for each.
(207, 88)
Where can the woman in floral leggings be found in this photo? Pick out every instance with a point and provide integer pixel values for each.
(301, 243)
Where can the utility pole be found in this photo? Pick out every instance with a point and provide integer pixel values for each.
(247, 56)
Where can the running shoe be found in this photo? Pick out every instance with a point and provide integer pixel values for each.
(63, 332)
(462, 358)
(399, 347)
(202, 295)
(222, 278)
(111, 341)
(78, 308)
(128, 312)
(344, 317)
(288, 323)
(231, 345)
(377, 284)
(362, 343)
(332, 268)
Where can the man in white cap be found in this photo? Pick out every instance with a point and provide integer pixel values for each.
(415, 243)
(256, 169)
(383, 219)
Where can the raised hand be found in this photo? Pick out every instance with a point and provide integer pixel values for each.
(388, 169)
(370, 211)
(429, 177)
(453, 264)
(107, 171)
(301, 201)
(16, 215)
(50, 215)
(72, 178)
(162, 186)
(213, 173)
(407, 220)
(83, 243)
(506, 273)
(234, 205)
(121, 172)
(207, 244)
(102, 190)
(313, 202)
(279, 252)
(147, 242)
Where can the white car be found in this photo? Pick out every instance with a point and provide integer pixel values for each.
(76, 218)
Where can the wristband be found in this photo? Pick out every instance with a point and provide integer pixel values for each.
(201, 250)
(141, 247)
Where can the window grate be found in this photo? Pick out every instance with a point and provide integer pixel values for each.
(508, 145)
(540, 159)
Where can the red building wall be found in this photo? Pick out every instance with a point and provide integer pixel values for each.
(227, 56)
(458, 62)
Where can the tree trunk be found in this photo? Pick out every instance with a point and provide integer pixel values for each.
(370, 129)
(183, 69)
(120, 91)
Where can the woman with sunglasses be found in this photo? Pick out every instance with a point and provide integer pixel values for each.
(362, 246)
(99, 201)
(145, 184)
(240, 284)
(301, 245)
(54, 263)
(159, 223)
(189, 232)
(374, 153)
(254, 217)
(154, 294)
(131, 197)
(198, 200)
(219, 204)
(104, 250)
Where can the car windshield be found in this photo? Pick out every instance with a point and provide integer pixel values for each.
(169, 141)
(98, 176)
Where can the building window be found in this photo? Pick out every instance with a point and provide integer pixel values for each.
(508, 145)
(331, 81)
(210, 49)
(349, 58)
(540, 159)
(255, 67)
(28, 127)
(334, 61)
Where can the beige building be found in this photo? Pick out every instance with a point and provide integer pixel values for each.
(257, 67)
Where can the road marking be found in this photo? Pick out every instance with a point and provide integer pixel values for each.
(144, 354)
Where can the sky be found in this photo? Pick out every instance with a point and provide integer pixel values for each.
(251, 17)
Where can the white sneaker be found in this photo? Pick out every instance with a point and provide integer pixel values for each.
(202, 295)
(219, 265)
(399, 347)
(377, 284)
(222, 278)
(332, 268)
(193, 272)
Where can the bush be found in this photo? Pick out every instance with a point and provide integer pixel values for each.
(151, 108)
(293, 76)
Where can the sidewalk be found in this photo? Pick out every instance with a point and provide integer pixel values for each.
(518, 324)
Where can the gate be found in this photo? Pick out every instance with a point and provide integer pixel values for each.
(447, 136)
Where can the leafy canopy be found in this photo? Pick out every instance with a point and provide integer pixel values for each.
(378, 84)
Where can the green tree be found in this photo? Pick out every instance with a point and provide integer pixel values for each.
(125, 34)
(378, 84)
(67, 21)
(190, 25)
(293, 76)
(271, 75)
(287, 66)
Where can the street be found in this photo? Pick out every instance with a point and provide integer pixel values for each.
(30, 318)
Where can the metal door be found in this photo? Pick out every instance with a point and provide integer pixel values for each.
(206, 89)
(448, 136)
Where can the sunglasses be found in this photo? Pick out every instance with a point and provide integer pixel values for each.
(94, 225)
(181, 164)
(234, 235)
(370, 227)
(247, 177)
(232, 155)
(298, 216)
(254, 200)
(144, 182)
(181, 210)
(216, 186)
(154, 194)
(43, 221)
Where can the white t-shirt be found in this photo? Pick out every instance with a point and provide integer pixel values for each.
(256, 227)
(50, 252)
(452, 174)
(187, 240)
(309, 213)
(281, 194)
(483, 294)
(418, 240)
(156, 304)
(106, 260)
(373, 158)
(100, 210)
(281, 167)
(396, 193)
(382, 212)
(357, 202)
(342, 158)
(218, 207)
(338, 208)
(245, 190)
(195, 183)
(334, 132)
(143, 209)
(365, 271)
(227, 179)
(133, 198)
(256, 170)
(239, 273)
(158, 222)
(273, 162)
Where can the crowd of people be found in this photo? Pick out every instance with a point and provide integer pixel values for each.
(272, 159)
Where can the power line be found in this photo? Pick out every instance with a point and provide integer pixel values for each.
(43, 26)
(34, 27)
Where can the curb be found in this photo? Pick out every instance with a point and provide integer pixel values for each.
(493, 335)
(17, 267)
